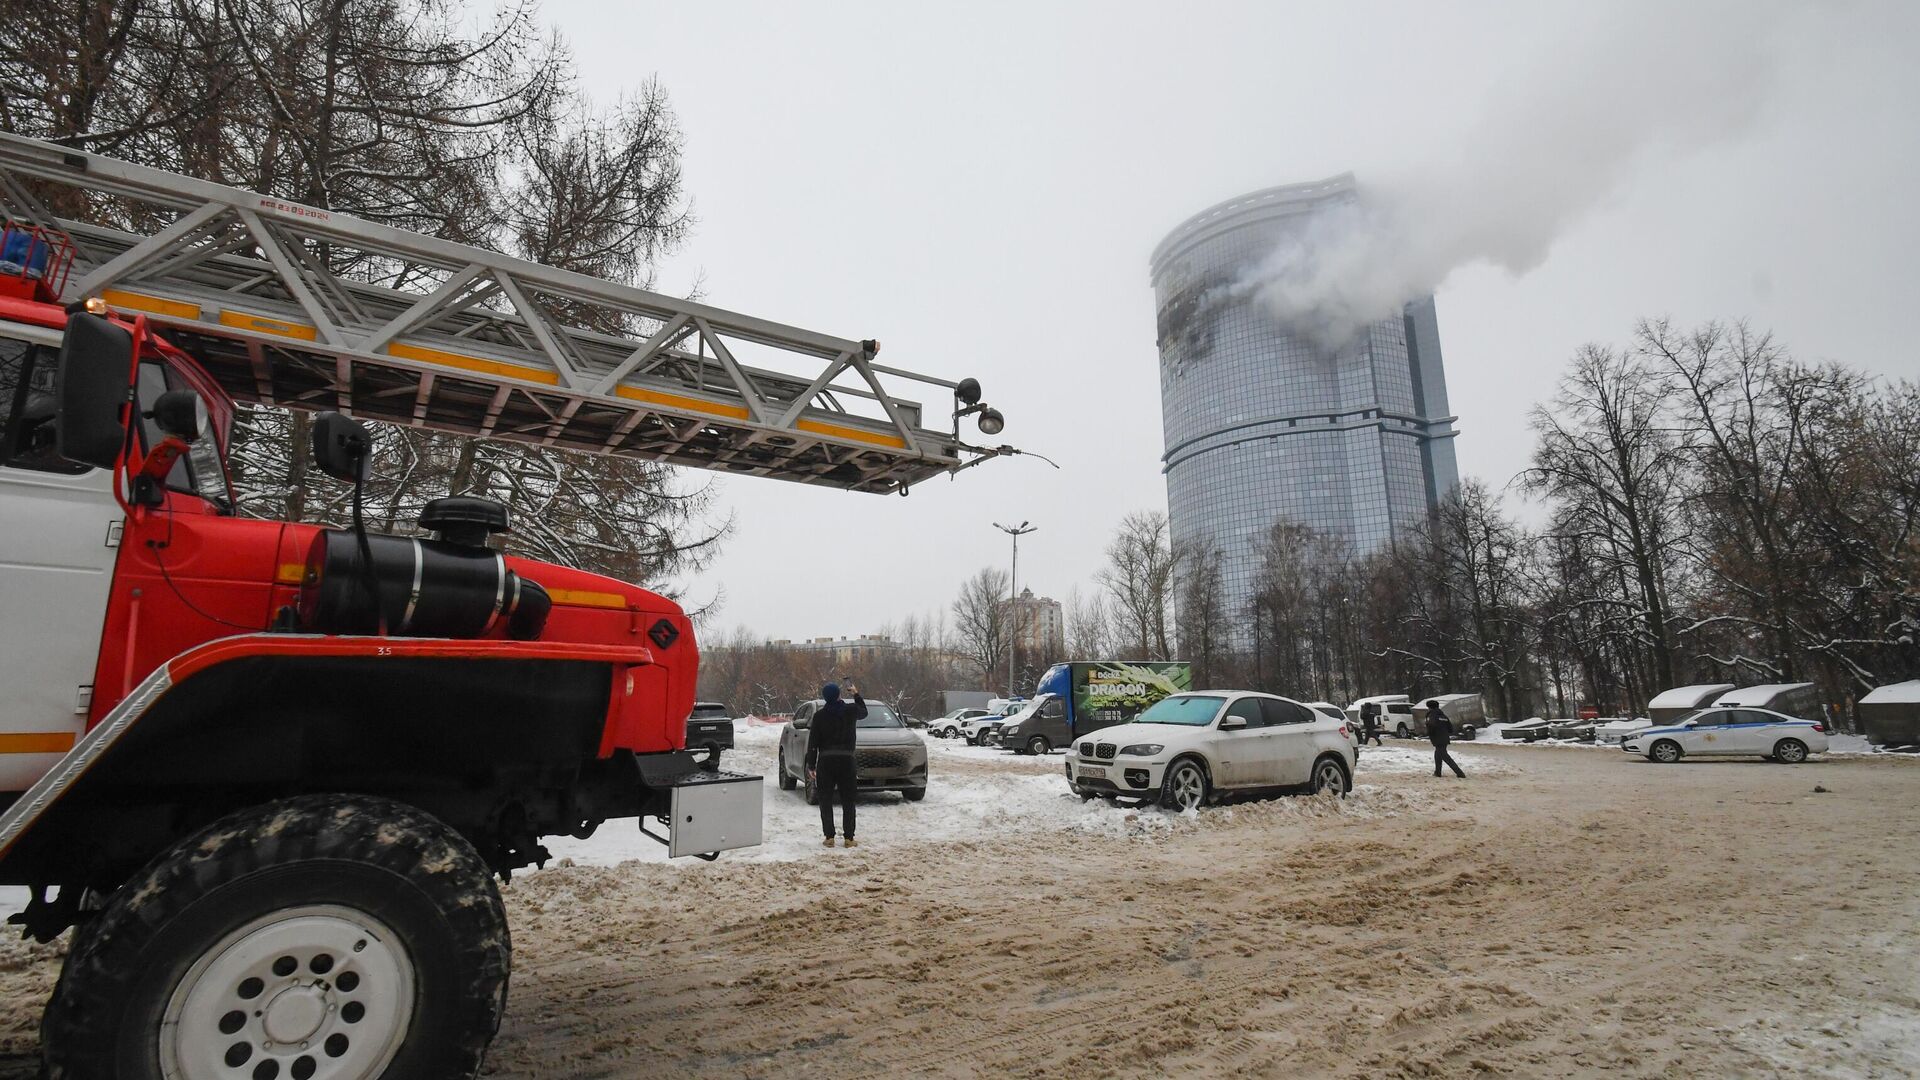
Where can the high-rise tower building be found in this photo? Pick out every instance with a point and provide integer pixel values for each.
(1038, 625)
(1263, 423)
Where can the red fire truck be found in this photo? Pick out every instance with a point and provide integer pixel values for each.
(269, 771)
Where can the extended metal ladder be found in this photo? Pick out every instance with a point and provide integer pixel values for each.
(432, 333)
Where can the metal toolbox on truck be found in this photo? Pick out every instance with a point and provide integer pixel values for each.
(714, 811)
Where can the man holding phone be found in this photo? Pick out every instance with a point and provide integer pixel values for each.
(830, 742)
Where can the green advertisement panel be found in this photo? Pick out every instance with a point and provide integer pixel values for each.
(1108, 692)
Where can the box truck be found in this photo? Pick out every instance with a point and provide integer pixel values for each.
(1075, 698)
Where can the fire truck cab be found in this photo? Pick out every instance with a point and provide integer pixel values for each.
(179, 677)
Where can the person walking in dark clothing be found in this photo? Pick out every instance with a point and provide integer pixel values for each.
(1370, 723)
(1440, 733)
(830, 742)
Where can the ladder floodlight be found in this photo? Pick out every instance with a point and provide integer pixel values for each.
(311, 309)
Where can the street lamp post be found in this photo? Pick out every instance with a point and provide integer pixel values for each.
(1013, 598)
(1346, 647)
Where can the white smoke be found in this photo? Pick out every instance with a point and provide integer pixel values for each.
(1654, 85)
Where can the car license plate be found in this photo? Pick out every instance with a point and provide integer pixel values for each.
(1093, 772)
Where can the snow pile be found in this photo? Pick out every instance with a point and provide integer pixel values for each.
(1395, 757)
(1365, 803)
(1417, 757)
(1851, 744)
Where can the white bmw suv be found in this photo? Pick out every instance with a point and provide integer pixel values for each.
(1188, 748)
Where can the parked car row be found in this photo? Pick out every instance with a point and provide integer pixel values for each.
(1531, 730)
(1051, 721)
(951, 726)
(1406, 718)
(1192, 748)
(1718, 730)
(1603, 729)
(981, 730)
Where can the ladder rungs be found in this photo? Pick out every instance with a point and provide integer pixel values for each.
(421, 331)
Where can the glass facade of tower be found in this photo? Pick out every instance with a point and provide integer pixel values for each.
(1262, 424)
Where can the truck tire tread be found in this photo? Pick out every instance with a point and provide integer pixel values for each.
(122, 964)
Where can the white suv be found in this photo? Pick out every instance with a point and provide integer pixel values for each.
(1189, 747)
(949, 726)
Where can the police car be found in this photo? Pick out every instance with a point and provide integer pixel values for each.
(1730, 732)
(985, 728)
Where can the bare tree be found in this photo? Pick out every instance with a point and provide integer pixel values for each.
(1608, 455)
(1297, 580)
(1481, 562)
(1140, 576)
(980, 623)
(1204, 620)
(1858, 491)
(1804, 481)
(1089, 625)
(431, 118)
(1750, 406)
(911, 675)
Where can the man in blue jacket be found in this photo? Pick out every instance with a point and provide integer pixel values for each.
(830, 743)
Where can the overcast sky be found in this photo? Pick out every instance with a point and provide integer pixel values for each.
(979, 186)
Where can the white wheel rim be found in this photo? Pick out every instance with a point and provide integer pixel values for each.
(321, 992)
(1187, 787)
(1664, 752)
(1790, 753)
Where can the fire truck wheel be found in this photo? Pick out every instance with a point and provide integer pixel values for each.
(336, 933)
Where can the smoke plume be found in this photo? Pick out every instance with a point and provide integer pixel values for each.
(1542, 154)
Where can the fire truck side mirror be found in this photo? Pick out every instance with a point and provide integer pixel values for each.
(182, 414)
(341, 445)
(91, 389)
